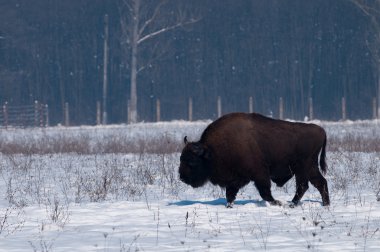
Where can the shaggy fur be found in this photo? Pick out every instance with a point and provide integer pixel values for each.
(239, 148)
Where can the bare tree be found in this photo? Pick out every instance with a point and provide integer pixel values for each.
(141, 21)
(371, 8)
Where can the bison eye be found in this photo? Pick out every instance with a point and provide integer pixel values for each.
(191, 162)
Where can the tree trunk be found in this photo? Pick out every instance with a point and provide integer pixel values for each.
(135, 38)
(105, 68)
(378, 94)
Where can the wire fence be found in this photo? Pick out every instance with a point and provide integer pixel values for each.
(280, 110)
(35, 115)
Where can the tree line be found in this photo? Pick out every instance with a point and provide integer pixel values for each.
(54, 51)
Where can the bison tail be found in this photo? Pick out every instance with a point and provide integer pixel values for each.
(322, 159)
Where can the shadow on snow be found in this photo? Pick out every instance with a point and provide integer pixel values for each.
(217, 202)
(223, 202)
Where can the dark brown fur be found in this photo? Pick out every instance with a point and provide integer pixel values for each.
(239, 148)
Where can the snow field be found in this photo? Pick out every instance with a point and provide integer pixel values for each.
(98, 200)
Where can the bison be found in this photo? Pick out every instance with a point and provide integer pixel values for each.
(238, 148)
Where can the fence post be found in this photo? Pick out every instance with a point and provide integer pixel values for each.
(5, 113)
(281, 109)
(158, 110)
(98, 113)
(41, 114)
(67, 118)
(374, 108)
(311, 109)
(129, 111)
(219, 106)
(250, 104)
(47, 115)
(190, 109)
(36, 114)
(344, 115)
(105, 69)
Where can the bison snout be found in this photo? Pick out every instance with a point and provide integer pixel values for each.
(183, 178)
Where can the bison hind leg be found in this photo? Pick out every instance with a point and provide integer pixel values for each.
(302, 185)
(263, 187)
(320, 183)
(275, 203)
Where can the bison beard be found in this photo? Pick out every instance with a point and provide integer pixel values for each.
(239, 148)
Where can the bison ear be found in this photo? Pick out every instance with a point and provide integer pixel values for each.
(185, 140)
(201, 150)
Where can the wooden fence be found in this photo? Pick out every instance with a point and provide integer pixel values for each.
(35, 115)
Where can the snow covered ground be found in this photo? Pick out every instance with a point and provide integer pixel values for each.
(103, 200)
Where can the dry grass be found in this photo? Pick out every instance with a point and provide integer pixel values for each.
(354, 143)
(83, 144)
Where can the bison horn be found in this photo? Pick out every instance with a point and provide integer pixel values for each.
(185, 140)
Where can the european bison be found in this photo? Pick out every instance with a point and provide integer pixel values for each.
(239, 148)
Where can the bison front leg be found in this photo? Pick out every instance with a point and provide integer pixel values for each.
(231, 195)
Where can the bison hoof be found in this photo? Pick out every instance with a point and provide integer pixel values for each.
(275, 203)
(230, 205)
(292, 204)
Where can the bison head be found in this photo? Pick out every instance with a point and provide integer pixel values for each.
(194, 169)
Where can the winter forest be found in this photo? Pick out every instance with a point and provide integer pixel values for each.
(128, 54)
